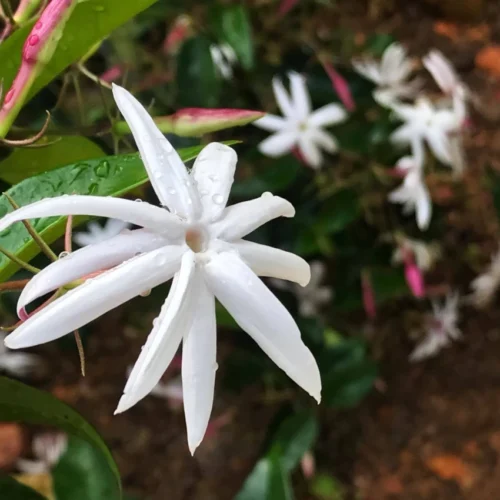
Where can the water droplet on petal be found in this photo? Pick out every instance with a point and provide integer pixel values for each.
(138, 200)
(39, 25)
(146, 293)
(213, 178)
(63, 254)
(33, 40)
(267, 194)
(217, 199)
(171, 191)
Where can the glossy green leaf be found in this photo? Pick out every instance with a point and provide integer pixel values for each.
(257, 483)
(22, 403)
(90, 22)
(81, 474)
(198, 84)
(280, 482)
(26, 162)
(232, 25)
(10, 489)
(108, 176)
(294, 437)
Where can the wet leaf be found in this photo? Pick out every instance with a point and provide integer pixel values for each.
(22, 403)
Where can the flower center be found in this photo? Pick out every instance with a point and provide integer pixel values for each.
(197, 238)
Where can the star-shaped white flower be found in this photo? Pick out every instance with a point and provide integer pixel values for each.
(425, 123)
(199, 243)
(19, 364)
(442, 71)
(442, 329)
(486, 285)
(413, 193)
(300, 126)
(97, 233)
(390, 75)
(47, 450)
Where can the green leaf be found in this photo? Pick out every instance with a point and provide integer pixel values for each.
(338, 212)
(26, 162)
(108, 176)
(233, 25)
(10, 489)
(198, 83)
(257, 483)
(295, 436)
(21, 403)
(326, 488)
(81, 474)
(280, 484)
(99, 17)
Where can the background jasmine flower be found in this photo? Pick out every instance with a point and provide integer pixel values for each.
(390, 75)
(413, 193)
(199, 243)
(486, 285)
(224, 58)
(96, 233)
(19, 364)
(442, 72)
(425, 254)
(47, 449)
(442, 329)
(300, 126)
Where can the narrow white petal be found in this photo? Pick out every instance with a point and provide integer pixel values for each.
(167, 173)
(440, 146)
(369, 69)
(283, 99)
(327, 115)
(139, 213)
(241, 219)
(310, 151)
(273, 263)
(300, 95)
(97, 296)
(173, 323)
(264, 318)
(272, 123)
(199, 365)
(278, 144)
(404, 134)
(423, 208)
(325, 140)
(213, 173)
(84, 261)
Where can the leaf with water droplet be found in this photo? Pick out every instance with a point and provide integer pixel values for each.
(80, 178)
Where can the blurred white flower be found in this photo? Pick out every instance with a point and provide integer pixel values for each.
(315, 295)
(97, 233)
(300, 126)
(442, 71)
(425, 254)
(47, 450)
(170, 390)
(390, 75)
(413, 193)
(485, 285)
(199, 243)
(442, 329)
(18, 364)
(224, 58)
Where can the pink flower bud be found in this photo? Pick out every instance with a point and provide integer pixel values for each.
(308, 465)
(415, 280)
(286, 6)
(112, 74)
(179, 32)
(340, 86)
(369, 303)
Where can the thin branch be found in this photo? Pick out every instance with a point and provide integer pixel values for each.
(30, 140)
(81, 352)
(13, 285)
(68, 234)
(19, 262)
(86, 72)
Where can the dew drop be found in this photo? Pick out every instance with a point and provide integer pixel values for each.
(99, 8)
(146, 293)
(171, 191)
(203, 192)
(213, 178)
(39, 25)
(267, 194)
(33, 40)
(63, 254)
(217, 199)
(8, 96)
(138, 200)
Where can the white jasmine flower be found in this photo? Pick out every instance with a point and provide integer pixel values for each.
(224, 58)
(97, 233)
(441, 331)
(47, 450)
(413, 193)
(442, 71)
(315, 295)
(19, 364)
(300, 126)
(486, 284)
(425, 254)
(199, 243)
(390, 75)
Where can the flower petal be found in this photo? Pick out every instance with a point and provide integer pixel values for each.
(173, 323)
(309, 150)
(272, 123)
(283, 99)
(100, 256)
(166, 171)
(199, 365)
(243, 218)
(440, 146)
(325, 140)
(300, 95)
(369, 69)
(273, 263)
(264, 318)
(404, 134)
(213, 173)
(139, 213)
(96, 297)
(278, 144)
(423, 208)
(327, 115)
